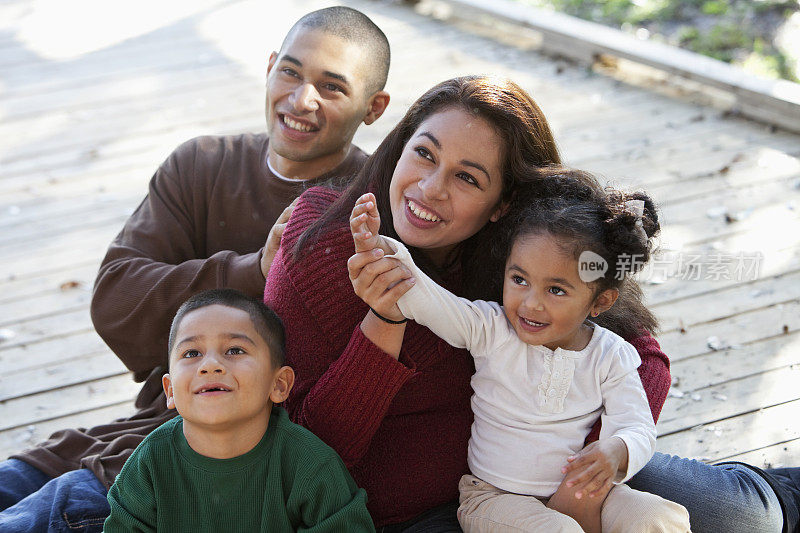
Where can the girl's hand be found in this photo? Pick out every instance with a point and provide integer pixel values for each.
(379, 281)
(592, 470)
(365, 223)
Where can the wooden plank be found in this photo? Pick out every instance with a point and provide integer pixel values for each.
(667, 278)
(48, 327)
(731, 399)
(80, 223)
(741, 329)
(756, 227)
(23, 437)
(44, 351)
(776, 101)
(712, 368)
(726, 301)
(737, 435)
(782, 454)
(46, 304)
(90, 367)
(80, 276)
(73, 399)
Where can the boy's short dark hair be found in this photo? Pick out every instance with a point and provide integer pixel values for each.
(265, 321)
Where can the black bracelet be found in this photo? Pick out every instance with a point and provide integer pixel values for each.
(387, 320)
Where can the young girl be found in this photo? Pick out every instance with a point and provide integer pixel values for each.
(543, 372)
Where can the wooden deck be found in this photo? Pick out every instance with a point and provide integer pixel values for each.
(88, 114)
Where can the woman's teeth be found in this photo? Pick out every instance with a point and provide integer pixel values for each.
(296, 125)
(532, 323)
(421, 213)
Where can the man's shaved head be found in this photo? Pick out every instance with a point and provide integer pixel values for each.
(355, 27)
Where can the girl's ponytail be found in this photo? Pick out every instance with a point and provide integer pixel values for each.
(630, 227)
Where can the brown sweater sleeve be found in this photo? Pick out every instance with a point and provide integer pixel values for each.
(158, 260)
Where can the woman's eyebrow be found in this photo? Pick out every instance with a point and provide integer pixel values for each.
(433, 139)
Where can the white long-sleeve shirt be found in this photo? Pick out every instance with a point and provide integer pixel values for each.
(534, 406)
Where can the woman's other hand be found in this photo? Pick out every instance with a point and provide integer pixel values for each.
(379, 281)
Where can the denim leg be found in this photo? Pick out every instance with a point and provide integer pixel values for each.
(74, 502)
(727, 497)
(17, 480)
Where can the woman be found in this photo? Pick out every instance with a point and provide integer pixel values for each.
(391, 398)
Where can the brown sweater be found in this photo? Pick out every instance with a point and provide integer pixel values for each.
(202, 225)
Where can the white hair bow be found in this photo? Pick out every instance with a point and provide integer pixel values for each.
(636, 208)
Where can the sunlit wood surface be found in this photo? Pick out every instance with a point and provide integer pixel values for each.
(93, 96)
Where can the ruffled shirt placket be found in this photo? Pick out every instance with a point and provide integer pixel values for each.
(559, 369)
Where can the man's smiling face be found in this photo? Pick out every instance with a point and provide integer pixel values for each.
(317, 96)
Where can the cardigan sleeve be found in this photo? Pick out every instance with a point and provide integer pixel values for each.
(655, 376)
(155, 263)
(343, 391)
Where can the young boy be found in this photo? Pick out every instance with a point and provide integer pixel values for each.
(232, 460)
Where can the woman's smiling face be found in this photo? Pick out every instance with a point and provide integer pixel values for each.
(447, 183)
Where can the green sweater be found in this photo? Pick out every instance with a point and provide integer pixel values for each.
(290, 481)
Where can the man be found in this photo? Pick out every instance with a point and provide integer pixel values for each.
(205, 224)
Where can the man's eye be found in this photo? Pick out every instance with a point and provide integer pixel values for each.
(235, 351)
(290, 72)
(558, 291)
(191, 353)
(332, 87)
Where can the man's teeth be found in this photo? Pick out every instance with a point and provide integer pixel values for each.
(296, 125)
(532, 323)
(421, 213)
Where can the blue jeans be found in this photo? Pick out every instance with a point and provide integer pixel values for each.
(74, 502)
(729, 497)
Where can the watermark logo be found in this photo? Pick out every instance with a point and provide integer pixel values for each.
(591, 266)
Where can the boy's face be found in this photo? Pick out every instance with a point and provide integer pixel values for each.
(221, 374)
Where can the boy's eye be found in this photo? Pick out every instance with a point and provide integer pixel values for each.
(191, 353)
(519, 280)
(235, 351)
(558, 291)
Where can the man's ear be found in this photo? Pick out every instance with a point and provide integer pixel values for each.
(284, 381)
(377, 105)
(502, 209)
(604, 301)
(273, 57)
(166, 382)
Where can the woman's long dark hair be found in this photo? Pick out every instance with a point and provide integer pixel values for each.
(528, 142)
